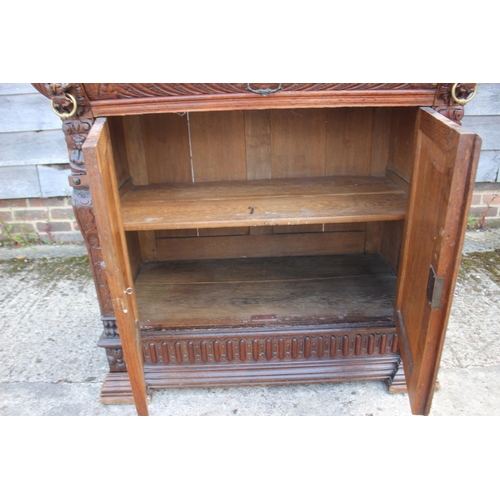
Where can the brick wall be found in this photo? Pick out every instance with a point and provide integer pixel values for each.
(485, 207)
(38, 220)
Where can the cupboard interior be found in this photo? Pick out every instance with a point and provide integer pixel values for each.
(264, 217)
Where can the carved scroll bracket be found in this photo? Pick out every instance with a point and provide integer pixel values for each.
(446, 104)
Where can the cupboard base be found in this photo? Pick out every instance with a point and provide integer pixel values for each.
(116, 388)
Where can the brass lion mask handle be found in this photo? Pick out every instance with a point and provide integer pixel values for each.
(65, 116)
(462, 101)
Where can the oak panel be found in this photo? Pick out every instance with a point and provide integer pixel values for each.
(381, 140)
(402, 147)
(99, 160)
(350, 137)
(447, 158)
(121, 164)
(260, 245)
(261, 269)
(258, 144)
(307, 290)
(166, 146)
(298, 139)
(218, 146)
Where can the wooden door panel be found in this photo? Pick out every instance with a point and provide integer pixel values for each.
(99, 160)
(441, 189)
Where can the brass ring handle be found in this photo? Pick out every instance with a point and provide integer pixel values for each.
(65, 116)
(263, 92)
(462, 101)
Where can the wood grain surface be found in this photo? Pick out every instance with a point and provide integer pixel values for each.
(260, 203)
(289, 290)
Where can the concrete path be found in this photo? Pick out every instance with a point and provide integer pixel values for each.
(50, 364)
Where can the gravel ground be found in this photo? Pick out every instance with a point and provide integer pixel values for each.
(49, 327)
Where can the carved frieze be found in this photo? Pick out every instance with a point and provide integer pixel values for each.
(102, 91)
(270, 348)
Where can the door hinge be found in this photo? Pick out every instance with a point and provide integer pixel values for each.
(435, 285)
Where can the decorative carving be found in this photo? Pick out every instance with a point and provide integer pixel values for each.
(198, 349)
(454, 113)
(110, 327)
(56, 92)
(82, 205)
(76, 131)
(102, 91)
(445, 103)
(115, 360)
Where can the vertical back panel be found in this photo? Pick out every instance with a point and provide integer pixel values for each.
(350, 138)
(298, 140)
(218, 146)
(258, 144)
(166, 144)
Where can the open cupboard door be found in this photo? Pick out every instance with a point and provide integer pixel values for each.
(446, 159)
(100, 165)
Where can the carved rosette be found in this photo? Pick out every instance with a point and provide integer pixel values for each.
(446, 105)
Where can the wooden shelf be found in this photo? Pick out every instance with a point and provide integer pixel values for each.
(271, 292)
(270, 202)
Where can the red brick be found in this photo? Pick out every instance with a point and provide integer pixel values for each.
(5, 216)
(24, 228)
(48, 202)
(53, 227)
(25, 215)
(483, 211)
(62, 213)
(476, 199)
(491, 199)
(13, 203)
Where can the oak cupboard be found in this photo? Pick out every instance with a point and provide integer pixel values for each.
(246, 234)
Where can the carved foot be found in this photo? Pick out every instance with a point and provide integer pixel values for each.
(116, 390)
(397, 383)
